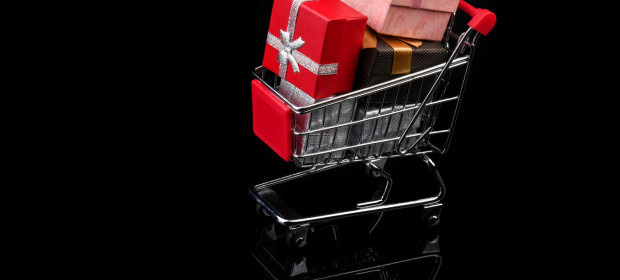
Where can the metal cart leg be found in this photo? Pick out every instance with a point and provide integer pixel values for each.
(375, 169)
(284, 214)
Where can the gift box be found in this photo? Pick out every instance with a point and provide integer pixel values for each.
(273, 121)
(419, 19)
(325, 140)
(386, 57)
(314, 45)
(389, 126)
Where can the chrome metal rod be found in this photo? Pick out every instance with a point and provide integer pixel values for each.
(355, 212)
(386, 188)
(370, 143)
(426, 132)
(460, 96)
(431, 92)
(297, 175)
(360, 159)
(375, 117)
(361, 92)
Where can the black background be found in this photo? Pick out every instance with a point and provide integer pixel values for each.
(190, 156)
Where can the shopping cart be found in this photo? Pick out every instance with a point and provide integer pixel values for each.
(412, 115)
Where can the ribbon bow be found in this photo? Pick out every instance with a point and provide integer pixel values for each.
(289, 46)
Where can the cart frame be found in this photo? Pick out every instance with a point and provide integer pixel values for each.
(461, 55)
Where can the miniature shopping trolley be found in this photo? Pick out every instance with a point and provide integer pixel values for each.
(412, 115)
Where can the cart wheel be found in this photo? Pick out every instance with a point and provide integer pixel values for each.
(432, 215)
(296, 243)
(433, 220)
(297, 237)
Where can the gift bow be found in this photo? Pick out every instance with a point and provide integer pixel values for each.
(288, 48)
(285, 56)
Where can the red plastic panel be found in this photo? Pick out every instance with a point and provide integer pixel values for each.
(272, 120)
(482, 20)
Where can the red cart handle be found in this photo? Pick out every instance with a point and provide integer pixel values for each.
(482, 20)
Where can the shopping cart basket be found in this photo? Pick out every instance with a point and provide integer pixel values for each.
(414, 114)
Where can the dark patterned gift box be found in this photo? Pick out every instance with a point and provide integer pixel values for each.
(386, 57)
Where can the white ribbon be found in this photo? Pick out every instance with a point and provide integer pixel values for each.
(288, 46)
(301, 59)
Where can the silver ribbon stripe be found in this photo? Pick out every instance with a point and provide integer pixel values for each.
(292, 16)
(301, 59)
(288, 48)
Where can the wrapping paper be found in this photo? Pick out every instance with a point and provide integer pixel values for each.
(385, 128)
(391, 126)
(330, 115)
(419, 19)
(380, 60)
(449, 6)
(314, 45)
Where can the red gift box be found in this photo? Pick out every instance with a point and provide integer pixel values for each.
(314, 45)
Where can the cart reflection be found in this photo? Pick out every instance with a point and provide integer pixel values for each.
(377, 246)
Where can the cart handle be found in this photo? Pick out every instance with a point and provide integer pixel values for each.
(482, 20)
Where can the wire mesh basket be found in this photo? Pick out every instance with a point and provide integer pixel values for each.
(412, 114)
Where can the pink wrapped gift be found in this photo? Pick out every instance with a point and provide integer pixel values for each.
(418, 19)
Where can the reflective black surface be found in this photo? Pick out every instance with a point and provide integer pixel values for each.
(177, 202)
(347, 249)
(387, 245)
